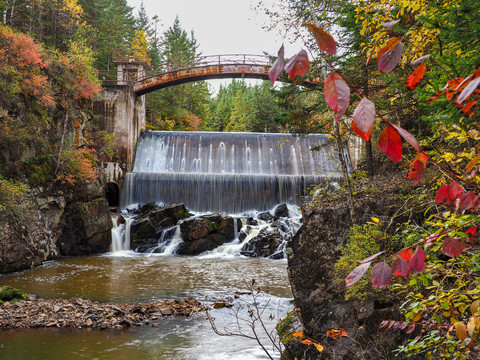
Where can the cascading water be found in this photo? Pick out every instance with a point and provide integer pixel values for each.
(120, 235)
(230, 172)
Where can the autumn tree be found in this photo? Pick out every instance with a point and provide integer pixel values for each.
(416, 47)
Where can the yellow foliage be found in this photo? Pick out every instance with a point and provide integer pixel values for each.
(139, 46)
(371, 14)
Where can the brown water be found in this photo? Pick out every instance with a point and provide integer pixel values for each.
(139, 278)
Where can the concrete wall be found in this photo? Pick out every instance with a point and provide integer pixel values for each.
(120, 112)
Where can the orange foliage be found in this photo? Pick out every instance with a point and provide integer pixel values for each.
(22, 57)
(79, 166)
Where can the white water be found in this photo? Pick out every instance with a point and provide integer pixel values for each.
(230, 172)
(120, 235)
(171, 237)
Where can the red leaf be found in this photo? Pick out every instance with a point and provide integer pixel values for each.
(435, 96)
(468, 90)
(417, 168)
(411, 327)
(417, 75)
(390, 55)
(381, 275)
(325, 41)
(356, 274)
(400, 267)
(447, 194)
(364, 136)
(297, 64)
(467, 200)
(471, 233)
(406, 254)
(420, 60)
(407, 137)
(277, 67)
(390, 24)
(371, 257)
(451, 247)
(391, 144)
(364, 117)
(384, 324)
(417, 262)
(337, 94)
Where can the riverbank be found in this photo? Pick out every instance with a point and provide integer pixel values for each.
(79, 313)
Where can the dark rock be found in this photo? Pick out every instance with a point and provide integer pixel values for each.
(251, 221)
(85, 228)
(151, 221)
(264, 244)
(265, 216)
(281, 211)
(206, 233)
(320, 298)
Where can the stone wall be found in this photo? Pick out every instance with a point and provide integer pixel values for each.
(121, 112)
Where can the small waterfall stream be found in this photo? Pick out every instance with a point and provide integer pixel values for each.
(120, 235)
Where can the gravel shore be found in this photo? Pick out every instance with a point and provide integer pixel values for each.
(79, 313)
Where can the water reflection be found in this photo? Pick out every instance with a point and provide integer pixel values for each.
(137, 278)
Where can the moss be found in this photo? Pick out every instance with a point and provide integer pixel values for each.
(363, 241)
(8, 293)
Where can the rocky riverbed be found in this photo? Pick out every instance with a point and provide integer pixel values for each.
(79, 313)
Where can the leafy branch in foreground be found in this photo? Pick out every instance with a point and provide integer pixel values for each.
(456, 236)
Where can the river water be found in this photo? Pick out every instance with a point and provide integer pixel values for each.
(132, 277)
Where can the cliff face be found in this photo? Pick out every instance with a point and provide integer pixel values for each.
(54, 224)
(320, 297)
(41, 216)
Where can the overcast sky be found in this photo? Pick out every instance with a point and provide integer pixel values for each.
(220, 26)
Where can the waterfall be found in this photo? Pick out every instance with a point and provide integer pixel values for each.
(120, 235)
(230, 172)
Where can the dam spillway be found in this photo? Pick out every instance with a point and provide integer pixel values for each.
(230, 172)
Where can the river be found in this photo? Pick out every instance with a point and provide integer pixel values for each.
(132, 277)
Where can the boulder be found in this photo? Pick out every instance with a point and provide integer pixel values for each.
(265, 216)
(206, 233)
(86, 228)
(320, 298)
(280, 211)
(265, 244)
(151, 221)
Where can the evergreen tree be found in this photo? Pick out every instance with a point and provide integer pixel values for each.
(114, 26)
(177, 104)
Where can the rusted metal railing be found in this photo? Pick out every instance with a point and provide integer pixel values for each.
(112, 77)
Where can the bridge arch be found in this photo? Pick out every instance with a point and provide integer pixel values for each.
(204, 68)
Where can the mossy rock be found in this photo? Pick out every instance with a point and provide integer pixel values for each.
(8, 293)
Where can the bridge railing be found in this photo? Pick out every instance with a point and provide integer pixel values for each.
(112, 77)
(203, 61)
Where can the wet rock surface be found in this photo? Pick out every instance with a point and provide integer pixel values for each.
(205, 233)
(265, 244)
(151, 220)
(79, 313)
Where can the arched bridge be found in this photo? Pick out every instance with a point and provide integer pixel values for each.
(199, 68)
